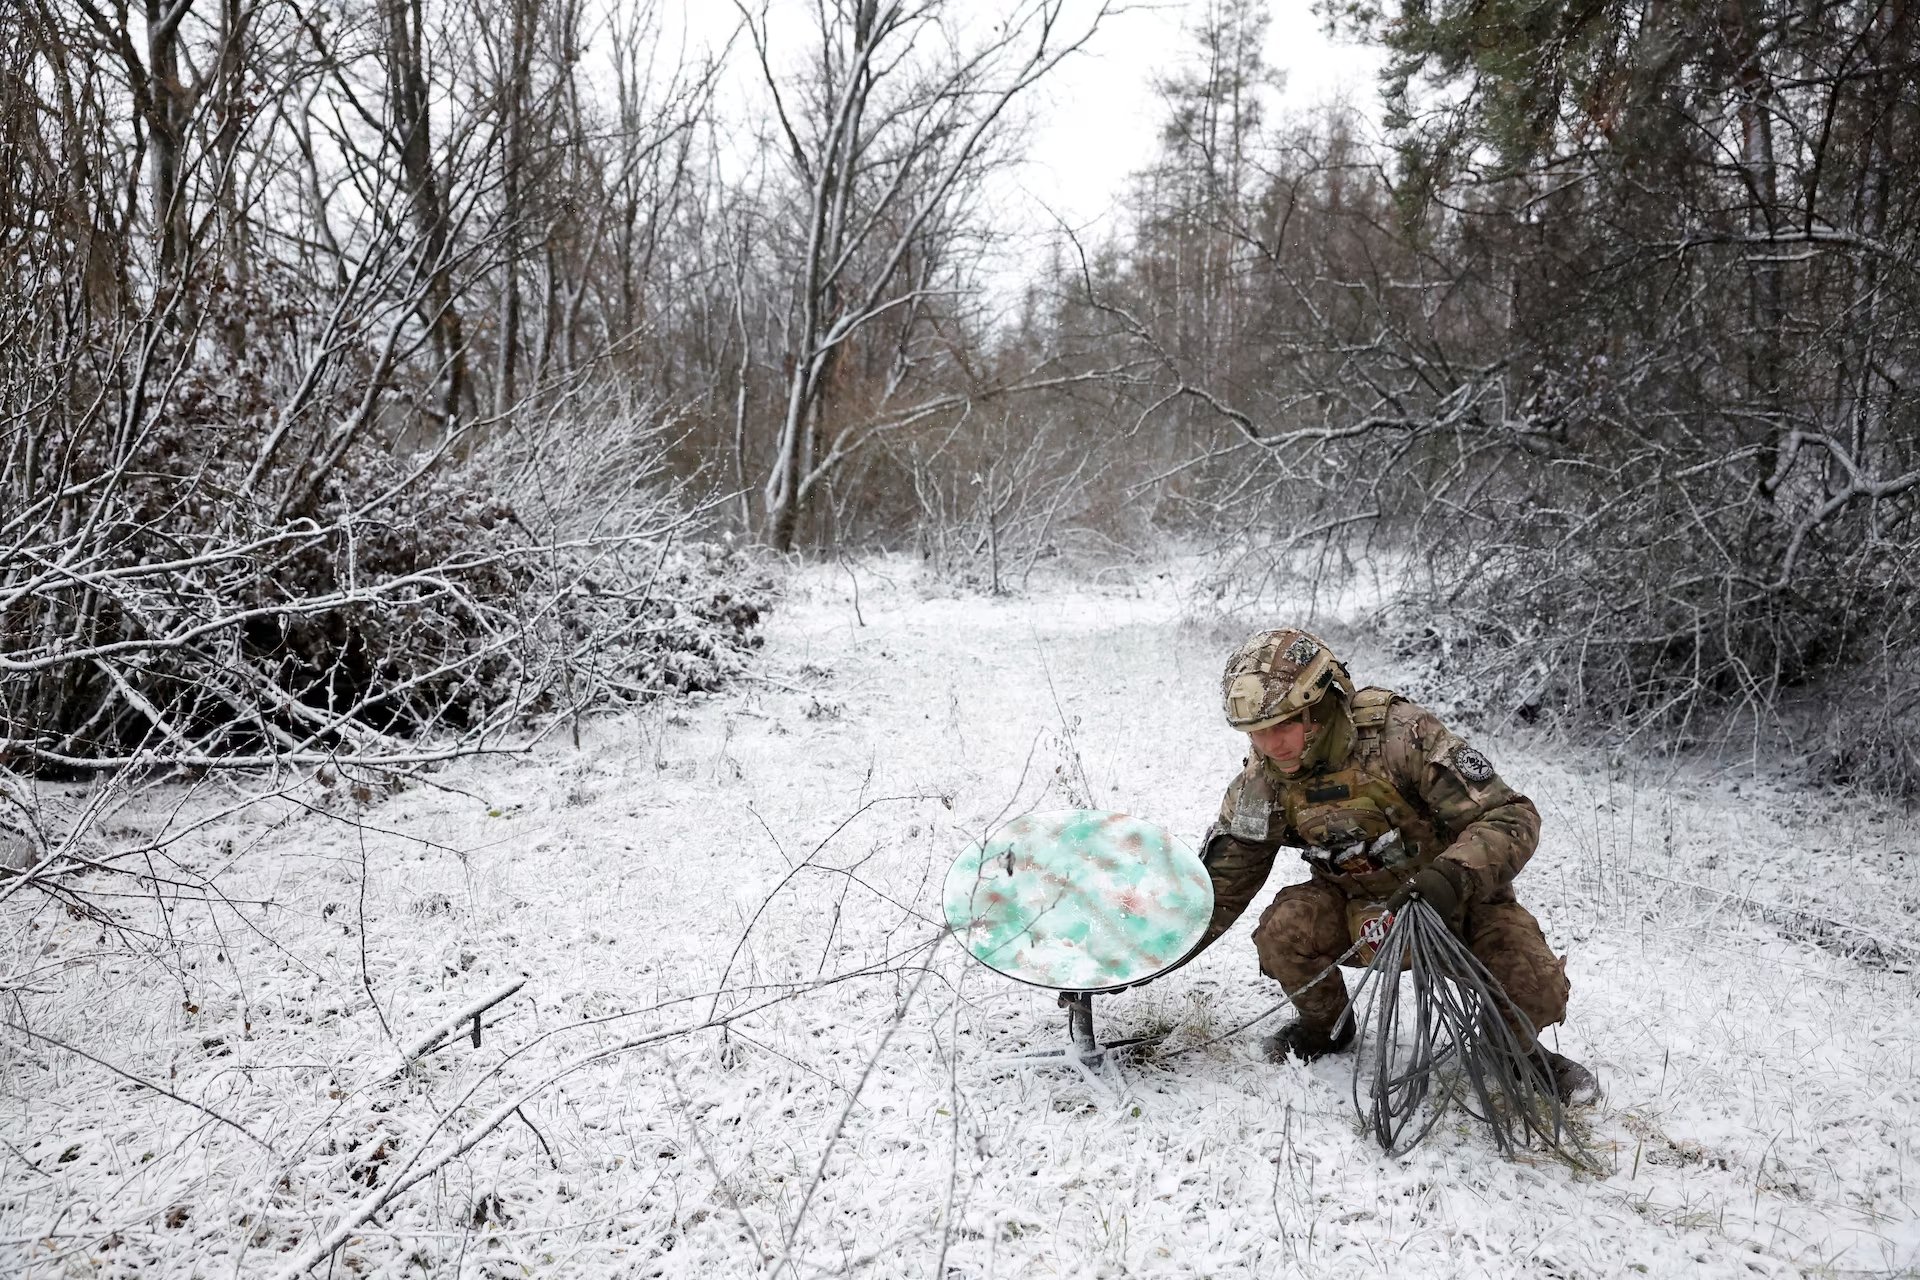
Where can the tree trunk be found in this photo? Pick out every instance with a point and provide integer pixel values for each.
(513, 103)
(1759, 172)
(411, 134)
(166, 123)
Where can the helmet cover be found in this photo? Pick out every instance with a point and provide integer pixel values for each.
(1276, 675)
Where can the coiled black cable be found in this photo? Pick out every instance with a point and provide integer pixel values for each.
(1453, 1035)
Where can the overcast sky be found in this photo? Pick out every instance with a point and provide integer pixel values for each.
(1097, 119)
(1103, 117)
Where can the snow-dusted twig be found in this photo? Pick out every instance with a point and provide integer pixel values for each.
(142, 1081)
(846, 1111)
(420, 1166)
(420, 1046)
(804, 864)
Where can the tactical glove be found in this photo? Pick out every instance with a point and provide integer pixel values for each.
(1443, 885)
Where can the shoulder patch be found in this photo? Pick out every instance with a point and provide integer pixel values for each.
(1470, 764)
(1248, 812)
(1252, 812)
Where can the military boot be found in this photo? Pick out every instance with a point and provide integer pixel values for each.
(1309, 1040)
(1573, 1084)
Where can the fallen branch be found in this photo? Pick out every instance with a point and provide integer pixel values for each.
(433, 1039)
(142, 1081)
(418, 1168)
(1868, 944)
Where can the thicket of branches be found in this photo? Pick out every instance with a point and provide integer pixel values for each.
(1612, 344)
(360, 360)
(360, 356)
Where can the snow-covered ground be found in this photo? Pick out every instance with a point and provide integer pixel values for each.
(743, 1046)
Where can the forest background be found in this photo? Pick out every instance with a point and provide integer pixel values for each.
(377, 374)
(388, 383)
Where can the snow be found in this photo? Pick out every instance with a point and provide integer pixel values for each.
(771, 856)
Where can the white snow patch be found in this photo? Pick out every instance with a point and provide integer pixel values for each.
(773, 855)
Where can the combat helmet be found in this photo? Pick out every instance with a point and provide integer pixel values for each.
(1275, 675)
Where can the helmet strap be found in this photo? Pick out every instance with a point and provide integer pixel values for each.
(1333, 737)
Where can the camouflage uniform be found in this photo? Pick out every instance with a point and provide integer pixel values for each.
(1391, 792)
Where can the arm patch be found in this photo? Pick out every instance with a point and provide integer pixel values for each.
(1247, 813)
(1252, 811)
(1470, 764)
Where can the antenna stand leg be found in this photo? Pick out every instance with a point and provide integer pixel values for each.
(1079, 1007)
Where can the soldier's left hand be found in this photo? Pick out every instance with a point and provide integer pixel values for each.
(1443, 886)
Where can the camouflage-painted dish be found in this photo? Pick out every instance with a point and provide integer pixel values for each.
(1079, 900)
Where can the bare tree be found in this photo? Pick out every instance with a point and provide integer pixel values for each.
(299, 541)
(885, 133)
(1610, 346)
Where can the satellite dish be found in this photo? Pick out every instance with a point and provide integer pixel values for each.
(1079, 900)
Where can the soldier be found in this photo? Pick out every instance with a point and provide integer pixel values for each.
(1385, 805)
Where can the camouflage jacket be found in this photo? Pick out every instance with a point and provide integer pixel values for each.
(1405, 792)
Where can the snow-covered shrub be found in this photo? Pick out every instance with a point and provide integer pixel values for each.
(269, 566)
(287, 469)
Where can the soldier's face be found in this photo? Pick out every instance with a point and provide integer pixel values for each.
(1283, 743)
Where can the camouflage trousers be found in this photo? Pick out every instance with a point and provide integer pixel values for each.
(1304, 930)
